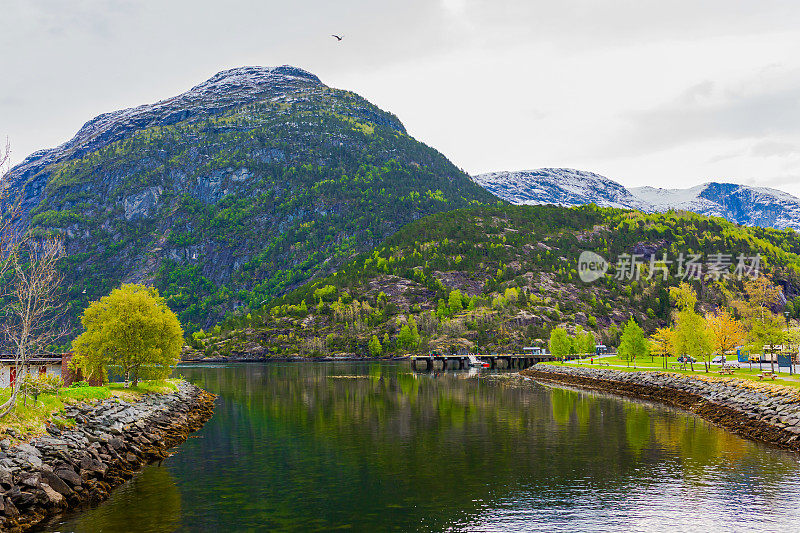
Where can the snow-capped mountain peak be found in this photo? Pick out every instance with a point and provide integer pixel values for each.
(742, 204)
(560, 186)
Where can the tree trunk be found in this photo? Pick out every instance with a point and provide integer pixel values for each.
(9, 404)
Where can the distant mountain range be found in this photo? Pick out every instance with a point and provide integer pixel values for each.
(742, 204)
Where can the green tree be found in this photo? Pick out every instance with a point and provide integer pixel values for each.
(632, 342)
(691, 335)
(454, 302)
(404, 339)
(584, 342)
(132, 328)
(386, 341)
(764, 327)
(559, 343)
(375, 348)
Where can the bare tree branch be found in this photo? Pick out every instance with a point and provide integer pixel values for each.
(33, 311)
(9, 210)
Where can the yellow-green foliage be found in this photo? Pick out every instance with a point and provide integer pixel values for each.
(131, 328)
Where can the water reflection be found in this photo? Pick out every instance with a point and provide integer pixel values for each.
(376, 447)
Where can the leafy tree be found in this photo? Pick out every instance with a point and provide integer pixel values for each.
(131, 328)
(326, 293)
(559, 343)
(691, 336)
(415, 336)
(584, 342)
(405, 339)
(375, 348)
(441, 309)
(727, 332)
(661, 343)
(632, 342)
(764, 327)
(386, 341)
(454, 302)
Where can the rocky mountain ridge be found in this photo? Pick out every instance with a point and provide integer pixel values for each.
(742, 204)
(223, 91)
(233, 192)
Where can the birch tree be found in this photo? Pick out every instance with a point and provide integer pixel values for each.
(32, 312)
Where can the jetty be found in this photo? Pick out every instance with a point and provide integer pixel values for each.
(429, 362)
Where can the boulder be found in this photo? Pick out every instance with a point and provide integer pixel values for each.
(55, 482)
(53, 497)
(27, 448)
(23, 499)
(69, 475)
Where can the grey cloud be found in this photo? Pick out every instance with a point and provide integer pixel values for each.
(786, 182)
(775, 149)
(732, 114)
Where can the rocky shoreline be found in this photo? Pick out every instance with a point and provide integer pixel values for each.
(758, 411)
(110, 441)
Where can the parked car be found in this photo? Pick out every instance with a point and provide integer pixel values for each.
(686, 359)
(719, 359)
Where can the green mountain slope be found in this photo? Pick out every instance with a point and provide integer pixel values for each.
(515, 270)
(234, 192)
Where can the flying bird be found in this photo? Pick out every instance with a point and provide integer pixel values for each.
(337, 37)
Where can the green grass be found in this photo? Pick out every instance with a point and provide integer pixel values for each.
(657, 365)
(28, 418)
(143, 387)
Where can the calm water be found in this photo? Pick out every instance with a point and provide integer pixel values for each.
(373, 447)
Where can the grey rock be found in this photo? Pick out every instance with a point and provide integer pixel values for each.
(27, 448)
(69, 476)
(53, 496)
(56, 482)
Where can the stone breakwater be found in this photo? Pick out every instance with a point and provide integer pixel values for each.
(111, 440)
(759, 411)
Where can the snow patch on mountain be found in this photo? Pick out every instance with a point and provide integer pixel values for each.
(742, 204)
(225, 90)
(559, 186)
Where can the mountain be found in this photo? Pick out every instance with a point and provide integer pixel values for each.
(749, 206)
(497, 278)
(557, 186)
(233, 192)
(742, 204)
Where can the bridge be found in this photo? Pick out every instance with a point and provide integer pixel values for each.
(430, 362)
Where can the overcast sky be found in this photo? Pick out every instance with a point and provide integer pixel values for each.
(659, 93)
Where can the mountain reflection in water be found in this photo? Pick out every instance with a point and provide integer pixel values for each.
(374, 447)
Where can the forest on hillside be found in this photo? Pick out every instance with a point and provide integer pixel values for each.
(497, 278)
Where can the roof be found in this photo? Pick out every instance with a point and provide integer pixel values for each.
(9, 359)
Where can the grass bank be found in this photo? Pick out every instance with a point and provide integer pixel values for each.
(28, 418)
(657, 365)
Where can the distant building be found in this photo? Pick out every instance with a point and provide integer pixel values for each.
(600, 349)
(38, 365)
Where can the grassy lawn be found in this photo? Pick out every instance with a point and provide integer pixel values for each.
(657, 365)
(28, 419)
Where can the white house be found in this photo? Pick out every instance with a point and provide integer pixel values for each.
(9, 371)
